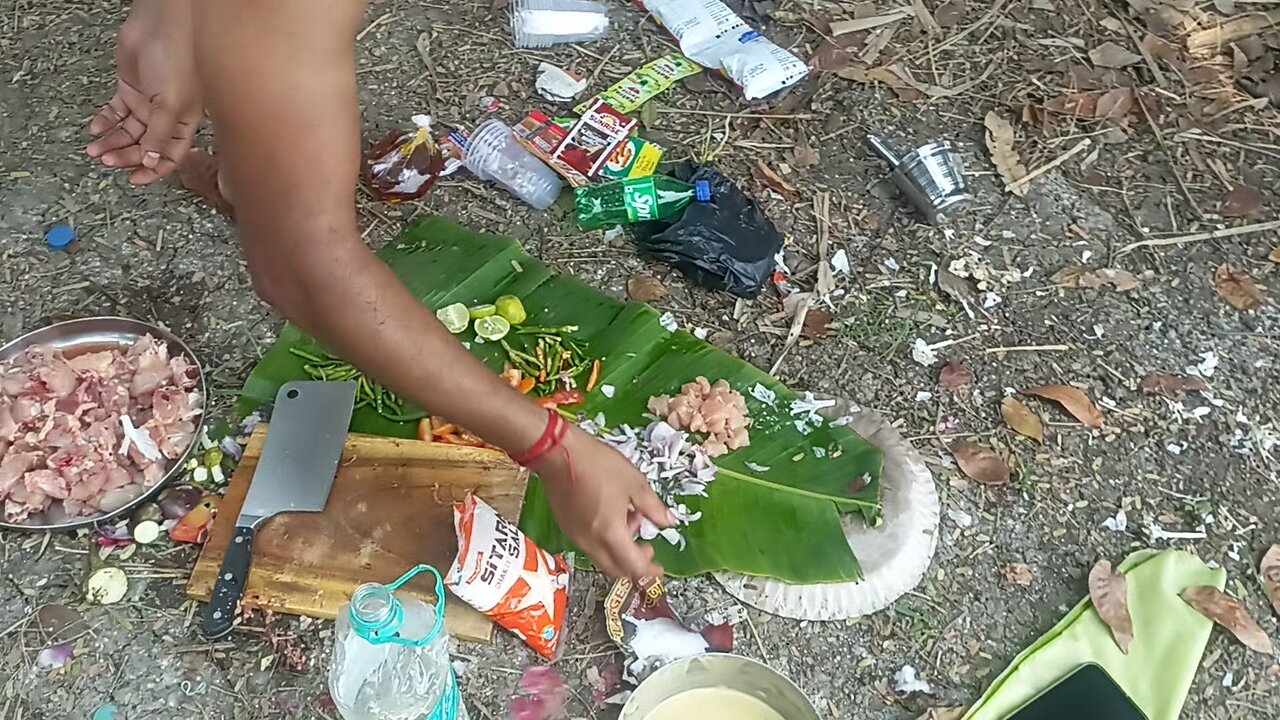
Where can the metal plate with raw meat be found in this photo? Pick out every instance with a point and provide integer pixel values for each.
(91, 335)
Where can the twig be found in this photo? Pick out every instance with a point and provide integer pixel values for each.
(1028, 348)
(797, 324)
(762, 116)
(1026, 179)
(756, 634)
(1177, 177)
(1197, 237)
(377, 21)
(986, 20)
(821, 209)
(1201, 135)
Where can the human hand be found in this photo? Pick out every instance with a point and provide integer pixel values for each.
(598, 497)
(148, 125)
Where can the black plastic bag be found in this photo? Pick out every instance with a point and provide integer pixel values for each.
(726, 244)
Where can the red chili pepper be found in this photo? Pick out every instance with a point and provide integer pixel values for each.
(568, 397)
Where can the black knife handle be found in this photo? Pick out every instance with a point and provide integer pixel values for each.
(220, 613)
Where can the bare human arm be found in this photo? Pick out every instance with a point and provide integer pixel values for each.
(279, 83)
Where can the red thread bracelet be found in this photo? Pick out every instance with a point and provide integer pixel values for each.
(552, 437)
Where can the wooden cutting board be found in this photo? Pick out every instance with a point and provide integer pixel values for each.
(390, 509)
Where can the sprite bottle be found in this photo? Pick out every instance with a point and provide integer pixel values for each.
(636, 200)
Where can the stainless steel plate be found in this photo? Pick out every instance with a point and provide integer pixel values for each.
(98, 333)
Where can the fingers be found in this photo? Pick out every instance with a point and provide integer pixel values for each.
(648, 504)
(146, 176)
(109, 116)
(159, 133)
(127, 133)
(622, 556)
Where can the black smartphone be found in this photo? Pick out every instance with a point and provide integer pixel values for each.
(1088, 693)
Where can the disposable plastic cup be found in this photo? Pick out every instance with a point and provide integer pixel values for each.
(495, 155)
(543, 23)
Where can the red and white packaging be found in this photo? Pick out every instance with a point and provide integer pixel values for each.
(504, 575)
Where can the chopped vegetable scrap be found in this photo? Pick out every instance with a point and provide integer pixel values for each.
(368, 393)
(437, 429)
(556, 363)
(504, 575)
(641, 621)
(806, 411)
(674, 466)
(702, 407)
(89, 433)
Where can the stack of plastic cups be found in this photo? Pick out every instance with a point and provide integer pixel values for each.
(494, 154)
(543, 23)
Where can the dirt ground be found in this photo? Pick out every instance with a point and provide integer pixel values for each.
(1157, 168)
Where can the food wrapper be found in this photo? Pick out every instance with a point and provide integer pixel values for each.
(405, 164)
(504, 575)
(594, 139)
(646, 83)
(641, 621)
(634, 158)
(542, 136)
(711, 35)
(453, 151)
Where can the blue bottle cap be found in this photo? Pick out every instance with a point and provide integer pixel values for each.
(702, 190)
(60, 237)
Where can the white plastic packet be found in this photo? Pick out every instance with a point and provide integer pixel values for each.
(711, 35)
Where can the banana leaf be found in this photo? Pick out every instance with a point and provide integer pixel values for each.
(782, 522)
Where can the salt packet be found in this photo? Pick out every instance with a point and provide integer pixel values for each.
(711, 35)
(504, 575)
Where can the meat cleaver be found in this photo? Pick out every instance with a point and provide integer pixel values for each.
(294, 474)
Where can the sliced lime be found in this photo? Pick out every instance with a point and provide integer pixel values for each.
(455, 317)
(482, 311)
(510, 308)
(492, 328)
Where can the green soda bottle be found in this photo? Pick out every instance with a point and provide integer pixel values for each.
(636, 200)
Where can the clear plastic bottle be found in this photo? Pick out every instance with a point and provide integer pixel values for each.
(391, 657)
(494, 154)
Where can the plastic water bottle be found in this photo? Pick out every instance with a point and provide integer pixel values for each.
(494, 154)
(636, 200)
(543, 23)
(391, 656)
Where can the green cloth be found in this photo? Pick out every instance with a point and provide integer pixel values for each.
(1169, 640)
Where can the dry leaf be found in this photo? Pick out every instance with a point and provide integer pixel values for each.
(954, 376)
(1230, 613)
(1111, 55)
(979, 463)
(771, 178)
(841, 27)
(1021, 418)
(1076, 276)
(1005, 157)
(1109, 592)
(1115, 104)
(829, 57)
(1171, 386)
(1241, 201)
(949, 14)
(645, 288)
(1275, 254)
(1238, 289)
(1073, 399)
(1084, 105)
(1018, 574)
(1269, 571)
(804, 155)
(817, 324)
(943, 713)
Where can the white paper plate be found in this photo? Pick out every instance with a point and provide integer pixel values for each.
(894, 556)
